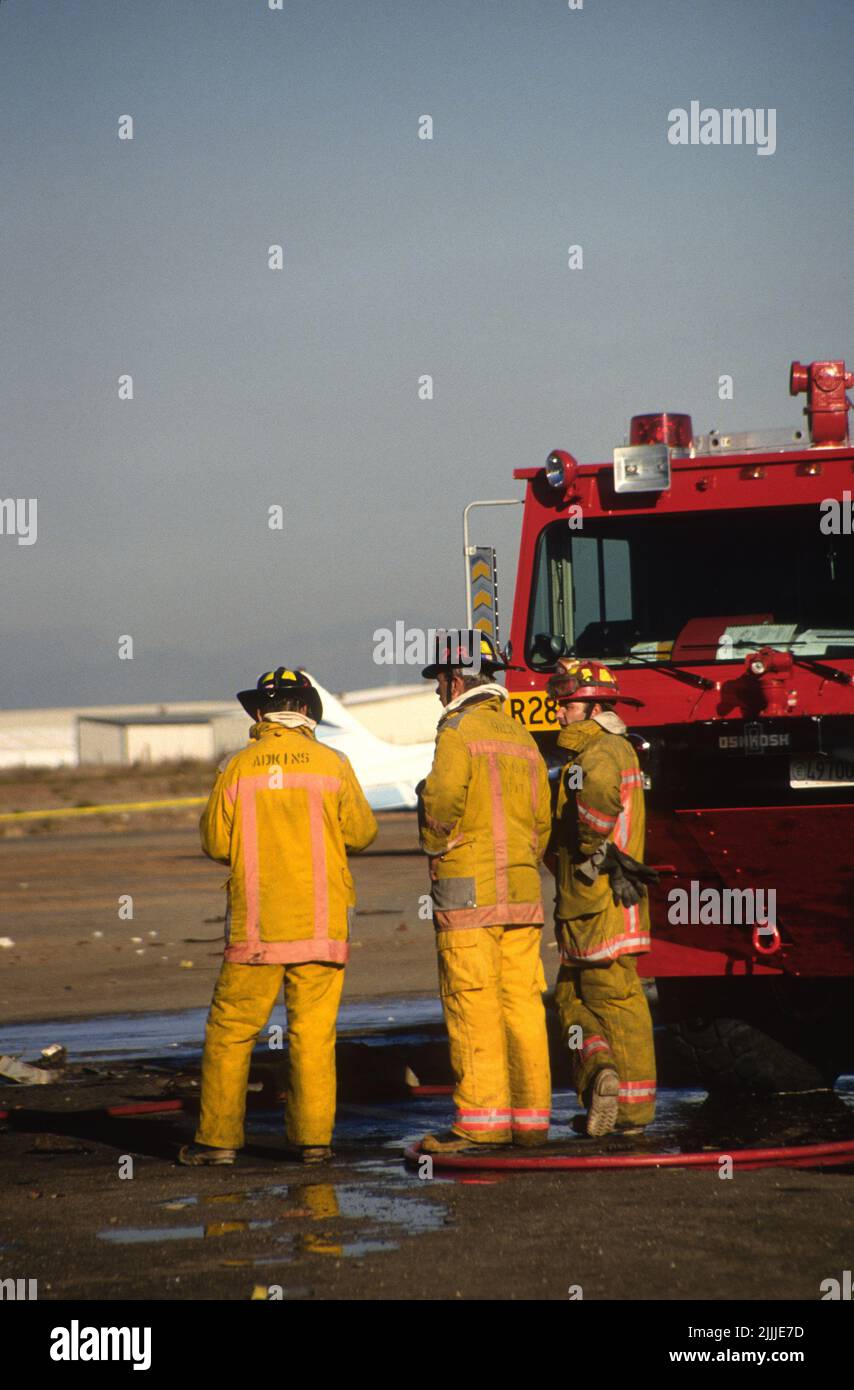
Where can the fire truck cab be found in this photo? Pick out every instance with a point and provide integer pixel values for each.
(714, 574)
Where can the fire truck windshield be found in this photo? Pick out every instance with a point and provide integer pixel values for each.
(625, 588)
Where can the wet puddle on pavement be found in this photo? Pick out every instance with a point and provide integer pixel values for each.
(685, 1120)
(141, 1235)
(370, 1203)
(382, 1218)
(378, 1204)
(180, 1035)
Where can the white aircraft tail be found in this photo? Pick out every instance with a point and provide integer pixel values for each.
(387, 772)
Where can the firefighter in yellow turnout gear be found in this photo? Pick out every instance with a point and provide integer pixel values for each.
(601, 908)
(485, 820)
(283, 814)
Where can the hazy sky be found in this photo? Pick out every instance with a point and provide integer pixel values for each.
(401, 257)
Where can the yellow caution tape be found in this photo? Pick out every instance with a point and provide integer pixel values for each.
(104, 810)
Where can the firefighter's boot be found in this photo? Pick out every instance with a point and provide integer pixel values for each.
(446, 1143)
(605, 1022)
(604, 1102)
(204, 1156)
(307, 1154)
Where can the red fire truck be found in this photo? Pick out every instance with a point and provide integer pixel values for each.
(715, 575)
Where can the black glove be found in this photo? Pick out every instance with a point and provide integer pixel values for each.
(419, 792)
(628, 877)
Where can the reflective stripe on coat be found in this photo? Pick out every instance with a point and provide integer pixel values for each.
(484, 812)
(608, 806)
(282, 814)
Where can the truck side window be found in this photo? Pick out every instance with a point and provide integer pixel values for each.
(580, 582)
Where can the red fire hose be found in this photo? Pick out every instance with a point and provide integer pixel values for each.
(145, 1107)
(840, 1153)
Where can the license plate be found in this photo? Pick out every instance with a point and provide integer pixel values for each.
(534, 709)
(820, 772)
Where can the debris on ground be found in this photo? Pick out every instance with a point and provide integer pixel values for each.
(23, 1072)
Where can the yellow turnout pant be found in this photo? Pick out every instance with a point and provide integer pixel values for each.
(243, 1000)
(606, 1022)
(491, 982)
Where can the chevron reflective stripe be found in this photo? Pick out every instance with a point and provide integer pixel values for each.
(483, 1120)
(637, 1092)
(594, 1043)
(531, 1119)
(483, 589)
(595, 818)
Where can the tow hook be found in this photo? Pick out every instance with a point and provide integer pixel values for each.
(766, 931)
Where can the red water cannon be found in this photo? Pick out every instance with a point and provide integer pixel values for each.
(827, 408)
(773, 671)
(763, 686)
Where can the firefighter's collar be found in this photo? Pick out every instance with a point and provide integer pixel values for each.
(610, 721)
(290, 719)
(576, 736)
(477, 692)
(283, 719)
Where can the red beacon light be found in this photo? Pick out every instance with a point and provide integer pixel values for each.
(827, 406)
(673, 430)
